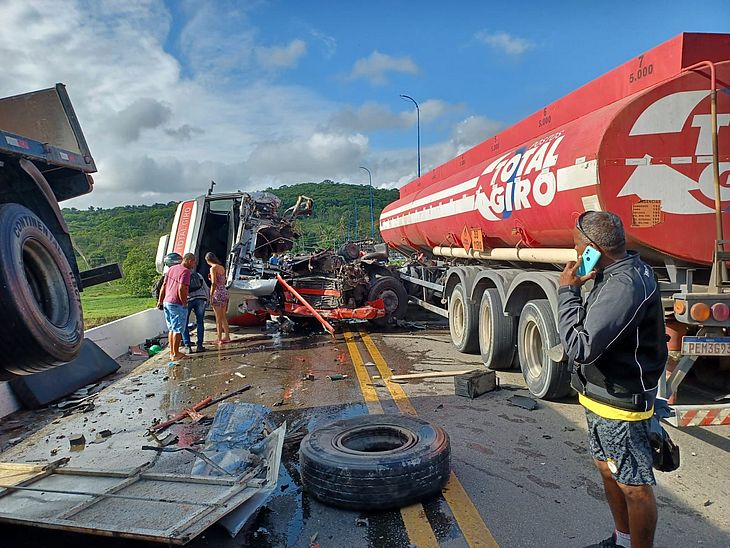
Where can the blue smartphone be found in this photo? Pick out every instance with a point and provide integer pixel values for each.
(589, 260)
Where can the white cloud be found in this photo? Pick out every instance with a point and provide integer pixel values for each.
(373, 116)
(368, 117)
(472, 131)
(329, 43)
(281, 56)
(320, 156)
(145, 113)
(377, 65)
(504, 43)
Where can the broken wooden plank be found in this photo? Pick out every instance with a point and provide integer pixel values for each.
(432, 374)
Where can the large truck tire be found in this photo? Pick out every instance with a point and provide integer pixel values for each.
(463, 321)
(496, 332)
(375, 462)
(395, 297)
(39, 299)
(536, 334)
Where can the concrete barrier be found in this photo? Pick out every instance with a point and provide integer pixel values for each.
(116, 337)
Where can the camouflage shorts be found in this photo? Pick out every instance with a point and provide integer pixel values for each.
(624, 446)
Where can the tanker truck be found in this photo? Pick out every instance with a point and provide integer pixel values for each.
(44, 159)
(488, 232)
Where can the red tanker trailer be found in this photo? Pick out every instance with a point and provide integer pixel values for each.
(487, 231)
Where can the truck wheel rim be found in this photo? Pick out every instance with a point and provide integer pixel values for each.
(390, 299)
(457, 313)
(375, 440)
(485, 327)
(46, 282)
(533, 349)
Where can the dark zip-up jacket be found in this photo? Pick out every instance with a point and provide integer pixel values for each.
(616, 340)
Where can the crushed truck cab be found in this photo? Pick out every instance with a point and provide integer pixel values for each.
(258, 244)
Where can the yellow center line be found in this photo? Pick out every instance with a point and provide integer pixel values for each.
(396, 390)
(368, 392)
(467, 516)
(414, 518)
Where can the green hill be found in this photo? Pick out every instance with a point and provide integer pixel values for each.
(129, 234)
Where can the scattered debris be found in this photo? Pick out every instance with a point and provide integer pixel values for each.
(409, 325)
(237, 374)
(362, 522)
(77, 442)
(439, 406)
(707, 503)
(138, 352)
(337, 377)
(432, 374)
(308, 377)
(473, 385)
(523, 401)
(207, 402)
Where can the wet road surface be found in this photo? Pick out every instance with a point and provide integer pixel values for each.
(520, 478)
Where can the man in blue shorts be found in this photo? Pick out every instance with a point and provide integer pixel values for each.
(173, 300)
(616, 343)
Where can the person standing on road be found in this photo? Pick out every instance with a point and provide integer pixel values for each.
(197, 303)
(173, 300)
(219, 297)
(616, 343)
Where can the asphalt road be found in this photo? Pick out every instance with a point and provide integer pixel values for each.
(519, 478)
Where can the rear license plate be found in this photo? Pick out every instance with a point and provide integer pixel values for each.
(706, 346)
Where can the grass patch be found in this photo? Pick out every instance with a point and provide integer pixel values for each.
(110, 301)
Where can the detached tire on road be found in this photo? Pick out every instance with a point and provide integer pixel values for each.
(375, 462)
(536, 334)
(39, 299)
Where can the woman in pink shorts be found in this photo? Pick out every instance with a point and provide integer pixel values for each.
(219, 297)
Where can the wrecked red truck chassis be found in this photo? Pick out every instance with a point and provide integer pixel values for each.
(257, 241)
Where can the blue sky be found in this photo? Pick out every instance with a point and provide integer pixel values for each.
(172, 94)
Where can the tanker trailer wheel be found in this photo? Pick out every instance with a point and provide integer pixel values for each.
(496, 332)
(536, 334)
(375, 462)
(39, 300)
(463, 320)
(394, 295)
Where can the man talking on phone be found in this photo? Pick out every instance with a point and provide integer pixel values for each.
(615, 342)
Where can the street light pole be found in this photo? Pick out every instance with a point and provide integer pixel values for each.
(372, 217)
(418, 128)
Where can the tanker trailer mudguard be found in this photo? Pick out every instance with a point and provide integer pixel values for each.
(617, 357)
